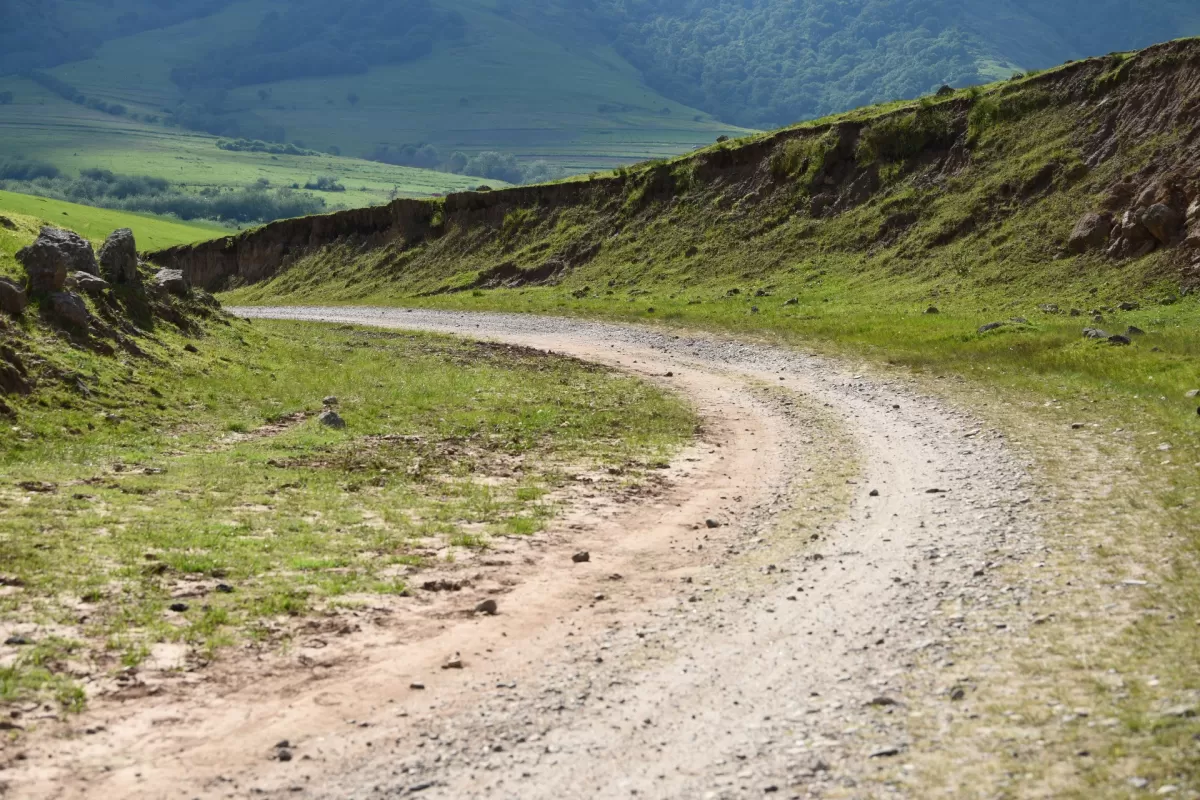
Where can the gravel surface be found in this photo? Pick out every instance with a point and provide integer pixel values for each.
(798, 677)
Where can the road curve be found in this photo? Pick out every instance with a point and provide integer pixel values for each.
(781, 661)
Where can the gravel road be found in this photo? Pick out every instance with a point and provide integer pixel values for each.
(789, 657)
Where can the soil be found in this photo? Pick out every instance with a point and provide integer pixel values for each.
(753, 626)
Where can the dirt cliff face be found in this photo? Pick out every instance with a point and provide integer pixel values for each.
(1132, 171)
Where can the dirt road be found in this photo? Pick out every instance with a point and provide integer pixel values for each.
(772, 622)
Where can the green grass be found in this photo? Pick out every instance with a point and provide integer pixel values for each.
(152, 233)
(43, 126)
(179, 472)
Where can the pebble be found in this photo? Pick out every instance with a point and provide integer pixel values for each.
(583, 556)
(487, 607)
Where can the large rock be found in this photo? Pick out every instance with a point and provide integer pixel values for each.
(12, 297)
(53, 255)
(1163, 222)
(69, 308)
(1131, 239)
(119, 258)
(1091, 233)
(172, 280)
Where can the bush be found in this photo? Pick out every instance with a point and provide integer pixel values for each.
(325, 183)
(19, 169)
(103, 188)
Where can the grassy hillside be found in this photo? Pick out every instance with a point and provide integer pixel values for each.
(573, 103)
(932, 241)
(27, 213)
(41, 125)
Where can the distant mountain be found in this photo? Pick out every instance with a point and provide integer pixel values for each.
(574, 84)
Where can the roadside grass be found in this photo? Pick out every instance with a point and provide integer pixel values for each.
(95, 224)
(204, 479)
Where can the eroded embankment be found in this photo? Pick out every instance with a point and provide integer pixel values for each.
(1129, 158)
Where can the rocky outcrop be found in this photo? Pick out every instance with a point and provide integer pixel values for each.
(12, 298)
(52, 256)
(119, 258)
(1090, 233)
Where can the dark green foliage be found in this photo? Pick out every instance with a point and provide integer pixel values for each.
(258, 146)
(105, 189)
(20, 169)
(68, 92)
(312, 38)
(766, 63)
(325, 183)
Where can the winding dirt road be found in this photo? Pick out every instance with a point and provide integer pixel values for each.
(771, 622)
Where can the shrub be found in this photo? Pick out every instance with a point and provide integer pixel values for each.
(325, 183)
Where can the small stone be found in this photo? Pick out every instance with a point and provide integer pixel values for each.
(1180, 712)
(17, 641)
(488, 607)
(1192, 393)
(582, 557)
(454, 662)
(179, 608)
(1133, 330)
(958, 693)
(283, 755)
(331, 419)
(283, 745)
(1128, 306)
(224, 588)
(1076, 425)
(712, 523)
(874, 493)
(885, 752)
(991, 326)
(597, 598)
(932, 310)
(1094, 333)
(1119, 340)
(89, 284)
(882, 701)
(330, 401)
(417, 686)
(191, 348)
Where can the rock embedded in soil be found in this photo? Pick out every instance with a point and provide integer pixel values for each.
(329, 401)
(991, 326)
(13, 299)
(173, 282)
(331, 419)
(581, 557)
(89, 284)
(69, 308)
(712, 523)
(1090, 233)
(119, 258)
(1095, 333)
(52, 256)
(488, 607)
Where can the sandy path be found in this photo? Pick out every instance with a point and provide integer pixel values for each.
(770, 655)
